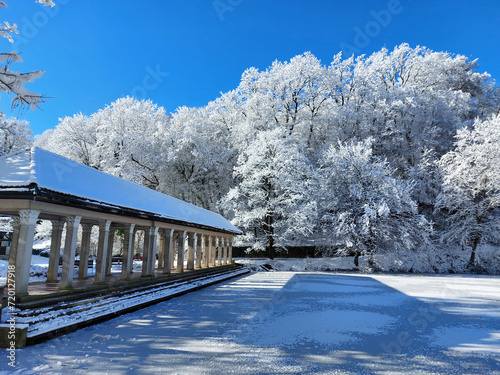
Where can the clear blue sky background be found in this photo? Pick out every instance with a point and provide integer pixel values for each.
(185, 52)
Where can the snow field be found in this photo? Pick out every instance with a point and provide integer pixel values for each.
(290, 323)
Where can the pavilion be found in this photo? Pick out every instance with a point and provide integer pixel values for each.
(39, 185)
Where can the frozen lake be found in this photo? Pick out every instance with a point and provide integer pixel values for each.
(295, 323)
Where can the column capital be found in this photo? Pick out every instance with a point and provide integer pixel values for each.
(58, 224)
(28, 217)
(104, 225)
(73, 220)
(151, 230)
(16, 221)
(87, 227)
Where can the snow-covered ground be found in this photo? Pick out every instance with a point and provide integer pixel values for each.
(38, 272)
(295, 323)
(39, 266)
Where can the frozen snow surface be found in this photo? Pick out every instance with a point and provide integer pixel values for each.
(294, 323)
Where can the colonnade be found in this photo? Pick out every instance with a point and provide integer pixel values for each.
(177, 247)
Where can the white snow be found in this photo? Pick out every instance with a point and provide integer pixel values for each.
(56, 173)
(295, 322)
(48, 320)
(38, 271)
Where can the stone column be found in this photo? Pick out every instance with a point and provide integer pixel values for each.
(174, 250)
(206, 250)
(182, 243)
(219, 251)
(68, 268)
(230, 250)
(24, 249)
(134, 242)
(16, 223)
(224, 250)
(145, 252)
(109, 255)
(190, 250)
(168, 251)
(161, 249)
(128, 250)
(199, 244)
(102, 251)
(55, 250)
(153, 236)
(211, 251)
(85, 251)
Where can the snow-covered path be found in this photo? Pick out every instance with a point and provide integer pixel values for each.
(291, 323)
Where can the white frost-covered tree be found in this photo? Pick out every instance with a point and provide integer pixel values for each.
(470, 197)
(199, 157)
(273, 197)
(129, 136)
(409, 101)
(74, 137)
(14, 135)
(364, 209)
(125, 139)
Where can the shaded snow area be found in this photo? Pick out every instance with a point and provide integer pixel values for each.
(447, 261)
(385, 263)
(40, 266)
(304, 264)
(45, 319)
(294, 323)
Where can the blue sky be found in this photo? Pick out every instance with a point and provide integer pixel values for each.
(185, 52)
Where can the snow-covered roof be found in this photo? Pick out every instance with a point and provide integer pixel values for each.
(49, 172)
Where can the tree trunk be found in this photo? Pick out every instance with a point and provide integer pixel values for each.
(371, 262)
(270, 236)
(472, 259)
(476, 241)
(356, 259)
